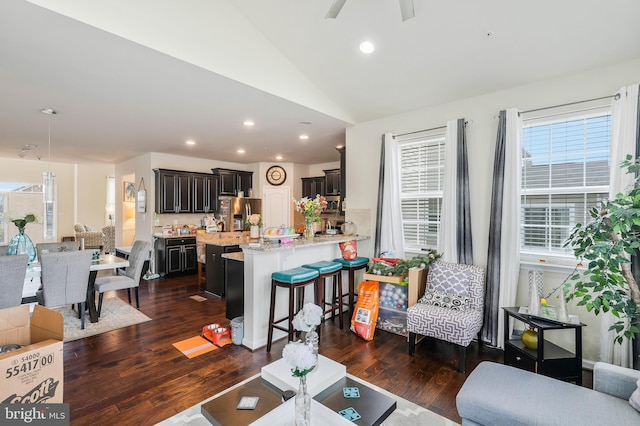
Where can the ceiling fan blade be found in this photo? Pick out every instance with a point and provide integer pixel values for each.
(406, 9)
(335, 8)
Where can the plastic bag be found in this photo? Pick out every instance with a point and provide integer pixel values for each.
(349, 250)
(365, 314)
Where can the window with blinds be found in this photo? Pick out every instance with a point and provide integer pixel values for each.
(565, 172)
(421, 187)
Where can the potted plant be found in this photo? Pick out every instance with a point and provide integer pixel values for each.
(608, 284)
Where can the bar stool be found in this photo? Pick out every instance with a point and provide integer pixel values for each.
(352, 266)
(295, 280)
(325, 270)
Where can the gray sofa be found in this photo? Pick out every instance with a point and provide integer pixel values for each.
(496, 394)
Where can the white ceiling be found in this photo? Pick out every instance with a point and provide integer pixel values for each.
(118, 98)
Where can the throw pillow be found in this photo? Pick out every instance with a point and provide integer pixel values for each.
(452, 301)
(78, 228)
(90, 228)
(451, 278)
(634, 399)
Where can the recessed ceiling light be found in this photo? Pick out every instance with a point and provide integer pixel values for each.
(190, 142)
(367, 47)
(278, 157)
(248, 123)
(304, 137)
(240, 151)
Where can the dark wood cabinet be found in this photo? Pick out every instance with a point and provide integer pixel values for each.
(205, 193)
(549, 359)
(173, 191)
(176, 255)
(215, 265)
(312, 186)
(332, 182)
(232, 181)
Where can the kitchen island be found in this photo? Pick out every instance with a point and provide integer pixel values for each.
(262, 259)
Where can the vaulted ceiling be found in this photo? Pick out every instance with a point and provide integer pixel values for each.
(136, 76)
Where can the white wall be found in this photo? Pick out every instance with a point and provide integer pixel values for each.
(81, 190)
(363, 153)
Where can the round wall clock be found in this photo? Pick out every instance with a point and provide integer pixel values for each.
(276, 175)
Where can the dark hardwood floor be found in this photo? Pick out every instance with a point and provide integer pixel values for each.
(135, 376)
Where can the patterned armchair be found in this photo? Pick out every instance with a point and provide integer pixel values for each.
(92, 238)
(109, 233)
(451, 308)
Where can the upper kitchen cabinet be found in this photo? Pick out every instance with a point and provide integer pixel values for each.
(311, 186)
(205, 193)
(332, 182)
(232, 181)
(173, 191)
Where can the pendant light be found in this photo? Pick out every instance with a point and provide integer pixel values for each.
(48, 177)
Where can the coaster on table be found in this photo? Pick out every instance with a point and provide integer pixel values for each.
(351, 392)
(350, 414)
(248, 402)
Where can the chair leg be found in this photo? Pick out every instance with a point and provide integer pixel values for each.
(99, 304)
(129, 295)
(137, 300)
(338, 299)
(412, 343)
(480, 342)
(271, 313)
(81, 306)
(292, 300)
(462, 358)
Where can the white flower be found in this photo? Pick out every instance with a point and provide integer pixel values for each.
(308, 318)
(299, 357)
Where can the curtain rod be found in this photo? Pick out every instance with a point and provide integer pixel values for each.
(428, 130)
(616, 96)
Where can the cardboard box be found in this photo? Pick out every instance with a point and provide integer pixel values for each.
(33, 374)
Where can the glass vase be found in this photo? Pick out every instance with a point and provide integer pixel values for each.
(254, 232)
(22, 244)
(308, 229)
(312, 339)
(303, 404)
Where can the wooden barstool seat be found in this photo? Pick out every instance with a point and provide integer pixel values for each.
(325, 270)
(352, 266)
(294, 280)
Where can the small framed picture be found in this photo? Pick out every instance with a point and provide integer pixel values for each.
(129, 192)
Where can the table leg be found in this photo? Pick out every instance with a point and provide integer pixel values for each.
(91, 297)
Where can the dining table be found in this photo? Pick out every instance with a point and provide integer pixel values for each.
(106, 261)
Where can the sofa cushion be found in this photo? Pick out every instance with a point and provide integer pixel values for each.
(445, 300)
(449, 278)
(634, 399)
(79, 228)
(496, 394)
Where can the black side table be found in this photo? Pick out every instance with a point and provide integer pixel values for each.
(549, 359)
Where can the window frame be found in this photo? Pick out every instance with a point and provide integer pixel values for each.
(437, 139)
(529, 255)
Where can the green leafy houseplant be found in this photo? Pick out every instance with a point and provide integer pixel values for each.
(606, 244)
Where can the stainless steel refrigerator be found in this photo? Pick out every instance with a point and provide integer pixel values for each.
(235, 210)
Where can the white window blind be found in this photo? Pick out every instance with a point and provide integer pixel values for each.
(565, 172)
(421, 187)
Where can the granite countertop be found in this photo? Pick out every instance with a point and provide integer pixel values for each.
(238, 255)
(275, 245)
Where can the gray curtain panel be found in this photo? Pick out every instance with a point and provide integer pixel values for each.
(463, 233)
(376, 246)
(635, 259)
(492, 291)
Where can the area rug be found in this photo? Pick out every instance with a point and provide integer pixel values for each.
(115, 314)
(194, 346)
(406, 413)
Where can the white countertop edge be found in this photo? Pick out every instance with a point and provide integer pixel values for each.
(302, 243)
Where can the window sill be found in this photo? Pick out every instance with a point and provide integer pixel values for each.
(559, 268)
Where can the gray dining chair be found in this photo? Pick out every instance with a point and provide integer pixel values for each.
(129, 279)
(3, 250)
(54, 247)
(12, 272)
(65, 278)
